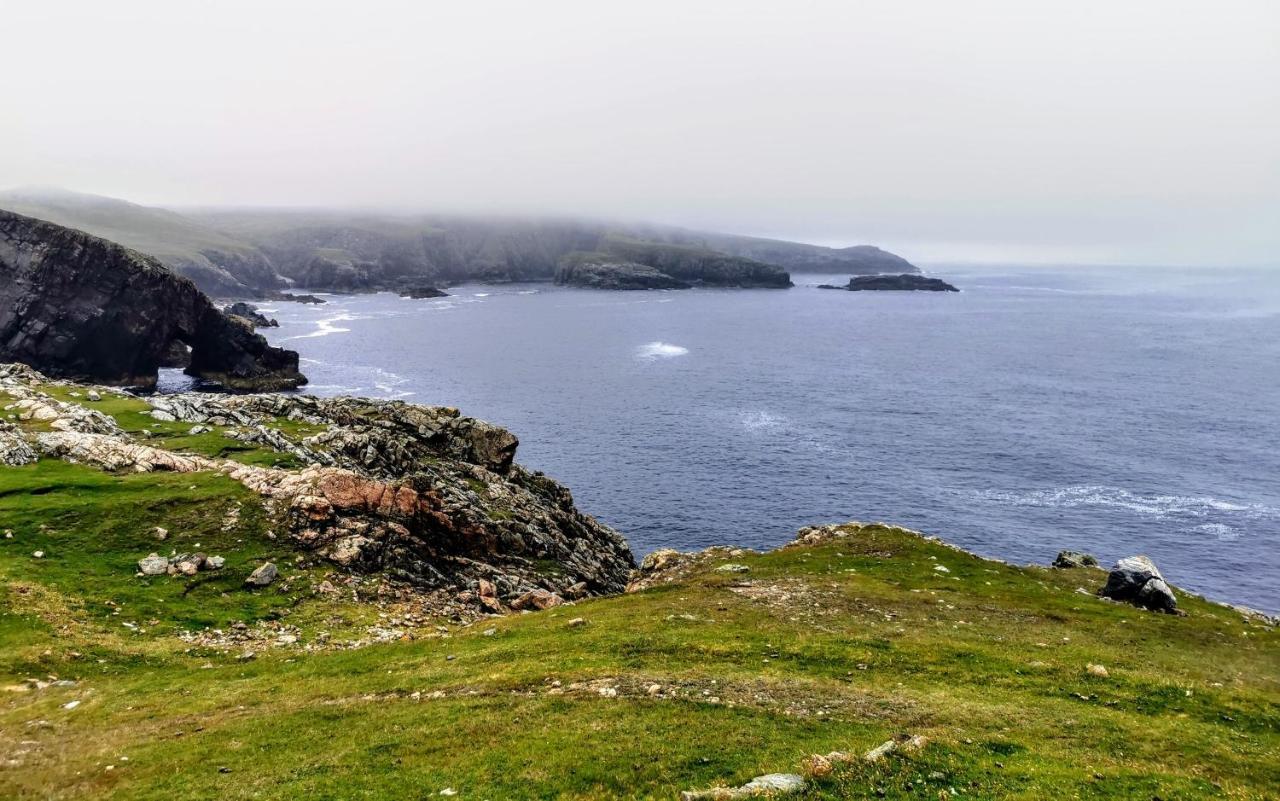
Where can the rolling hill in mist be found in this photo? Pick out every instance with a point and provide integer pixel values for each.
(250, 252)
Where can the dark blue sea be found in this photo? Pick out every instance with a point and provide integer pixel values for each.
(1116, 411)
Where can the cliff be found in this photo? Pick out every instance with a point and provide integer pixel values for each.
(81, 307)
(235, 596)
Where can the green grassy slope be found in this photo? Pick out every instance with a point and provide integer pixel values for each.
(716, 678)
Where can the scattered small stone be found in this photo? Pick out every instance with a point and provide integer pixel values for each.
(71, 705)
(1097, 670)
(93, 395)
(160, 533)
(577, 621)
(196, 430)
(215, 562)
(654, 689)
(489, 632)
(942, 568)
(263, 576)
(38, 554)
(224, 769)
(733, 568)
(448, 791)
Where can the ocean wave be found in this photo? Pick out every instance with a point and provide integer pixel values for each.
(761, 421)
(659, 350)
(1165, 507)
(325, 327)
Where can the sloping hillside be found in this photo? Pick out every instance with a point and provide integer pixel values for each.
(991, 681)
(218, 263)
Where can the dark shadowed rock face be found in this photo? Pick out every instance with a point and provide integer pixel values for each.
(77, 306)
(905, 282)
(423, 292)
(250, 313)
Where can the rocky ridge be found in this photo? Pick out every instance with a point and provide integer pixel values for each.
(81, 307)
(421, 495)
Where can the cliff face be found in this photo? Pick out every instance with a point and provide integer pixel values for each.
(81, 307)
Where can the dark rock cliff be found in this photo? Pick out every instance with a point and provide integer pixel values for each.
(77, 306)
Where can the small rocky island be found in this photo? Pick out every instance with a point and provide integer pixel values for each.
(904, 282)
(423, 292)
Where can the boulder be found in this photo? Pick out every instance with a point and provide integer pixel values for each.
(153, 565)
(263, 576)
(1071, 559)
(537, 599)
(1137, 580)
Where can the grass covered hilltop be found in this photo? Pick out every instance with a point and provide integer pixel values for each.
(358, 674)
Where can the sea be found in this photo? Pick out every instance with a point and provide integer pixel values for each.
(1116, 411)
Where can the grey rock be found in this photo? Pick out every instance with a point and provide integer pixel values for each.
(770, 785)
(263, 576)
(215, 562)
(904, 282)
(153, 565)
(1137, 580)
(1072, 559)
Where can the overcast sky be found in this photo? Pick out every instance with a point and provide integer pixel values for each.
(1124, 131)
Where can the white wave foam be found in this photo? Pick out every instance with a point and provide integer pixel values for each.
(527, 292)
(761, 421)
(482, 294)
(326, 326)
(659, 350)
(1219, 530)
(1157, 506)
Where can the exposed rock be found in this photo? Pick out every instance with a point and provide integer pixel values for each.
(215, 562)
(768, 786)
(423, 292)
(537, 599)
(419, 495)
(263, 576)
(248, 312)
(153, 565)
(81, 307)
(1093, 669)
(1072, 559)
(1137, 580)
(602, 271)
(14, 448)
(905, 281)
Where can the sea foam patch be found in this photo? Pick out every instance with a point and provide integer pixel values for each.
(659, 350)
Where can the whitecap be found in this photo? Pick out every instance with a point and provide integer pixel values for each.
(761, 421)
(482, 294)
(325, 327)
(1161, 507)
(659, 350)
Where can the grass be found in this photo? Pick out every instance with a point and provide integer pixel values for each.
(837, 646)
(833, 647)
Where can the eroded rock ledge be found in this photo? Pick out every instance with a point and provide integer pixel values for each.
(418, 494)
(80, 307)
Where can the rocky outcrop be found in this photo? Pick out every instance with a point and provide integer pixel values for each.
(1137, 580)
(77, 306)
(602, 271)
(698, 266)
(250, 313)
(423, 292)
(420, 495)
(1067, 560)
(904, 282)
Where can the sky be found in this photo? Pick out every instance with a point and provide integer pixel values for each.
(1124, 131)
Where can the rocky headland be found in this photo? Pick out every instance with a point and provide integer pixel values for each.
(420, 495)
(81, 307)
(249, 312)
(894, 283)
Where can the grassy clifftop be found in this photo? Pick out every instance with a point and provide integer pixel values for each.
(729, 665)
